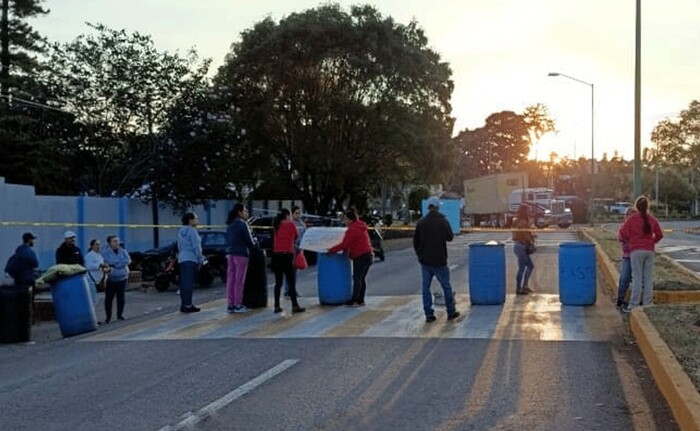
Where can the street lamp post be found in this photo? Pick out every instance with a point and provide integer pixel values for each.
(580, 81)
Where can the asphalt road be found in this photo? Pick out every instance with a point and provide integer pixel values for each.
(539, 366)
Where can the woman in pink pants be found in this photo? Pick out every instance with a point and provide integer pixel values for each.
(240, 242)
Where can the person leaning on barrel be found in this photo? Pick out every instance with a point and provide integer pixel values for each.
(356, 243)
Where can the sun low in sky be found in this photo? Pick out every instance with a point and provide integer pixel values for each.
(501, 52)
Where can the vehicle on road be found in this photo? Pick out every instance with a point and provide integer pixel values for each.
(160, 264)
(493, 200)
(619, 207)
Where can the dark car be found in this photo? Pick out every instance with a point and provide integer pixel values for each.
(155, 262)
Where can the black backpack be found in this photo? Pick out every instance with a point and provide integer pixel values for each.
(11, 266)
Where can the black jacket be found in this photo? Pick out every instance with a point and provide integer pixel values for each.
(430, 239)
(69, 254)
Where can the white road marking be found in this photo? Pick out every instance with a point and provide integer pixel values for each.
(210, 409)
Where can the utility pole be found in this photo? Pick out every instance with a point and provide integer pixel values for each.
(637, 185)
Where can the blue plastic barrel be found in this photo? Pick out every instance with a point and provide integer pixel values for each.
(487, 274)
(73, 305)
(334, 279)
(577, 273)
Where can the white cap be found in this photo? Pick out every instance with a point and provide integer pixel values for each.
(69, 234)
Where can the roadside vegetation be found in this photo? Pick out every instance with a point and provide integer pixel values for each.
(666, 274)
(679, 326)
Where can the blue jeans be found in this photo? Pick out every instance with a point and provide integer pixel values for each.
(625, 279)
(442, 273)
(525, 265)
(188, 275)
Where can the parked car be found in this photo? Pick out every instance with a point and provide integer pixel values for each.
(159, 264)
(619, 207)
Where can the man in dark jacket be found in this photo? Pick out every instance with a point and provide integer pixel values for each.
(430, 243)
(24, 262)
(69, 253)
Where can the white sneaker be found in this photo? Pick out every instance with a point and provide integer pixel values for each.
(241, 309)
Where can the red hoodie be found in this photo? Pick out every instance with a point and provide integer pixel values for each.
(355, 241)
(632, 232)
(283, 241)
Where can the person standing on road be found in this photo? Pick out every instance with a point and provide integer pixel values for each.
(301, 228)
(118, 260)
(68, 253)
(523, 246)
(97, 271)
(285, 233)
(430, 239)
(24, 262)
(356, 242)
(623, 283)
(641, 232)
(189, 258)
(240, 242)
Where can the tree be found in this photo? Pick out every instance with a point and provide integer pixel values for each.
(19, 43)
(416, 196)
(32, 133)
(502, 144)
(121, 88)
(678, 142)
(340, 102)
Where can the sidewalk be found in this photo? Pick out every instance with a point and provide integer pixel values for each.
(141, 303)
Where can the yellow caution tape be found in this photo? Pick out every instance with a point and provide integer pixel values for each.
(383, 228)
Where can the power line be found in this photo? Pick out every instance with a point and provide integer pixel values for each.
(12, 99)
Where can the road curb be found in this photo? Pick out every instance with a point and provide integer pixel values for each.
(672, 381)
(611, 273)
(660, 296)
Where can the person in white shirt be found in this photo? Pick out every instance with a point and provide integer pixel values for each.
(97, 270)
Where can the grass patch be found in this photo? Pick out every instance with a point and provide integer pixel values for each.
(679, 326)
(666, 274)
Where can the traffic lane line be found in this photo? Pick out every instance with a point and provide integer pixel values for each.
(210, 409)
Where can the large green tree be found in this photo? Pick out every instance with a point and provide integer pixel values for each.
(340, 102)
(502, 144)
(121, 89)
(33, 134)
(678, 142)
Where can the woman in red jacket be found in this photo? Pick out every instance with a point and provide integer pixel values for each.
(285, 233)
(356, 242)
(641, 231)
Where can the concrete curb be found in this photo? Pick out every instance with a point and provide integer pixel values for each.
(660, 296)
(672, 381)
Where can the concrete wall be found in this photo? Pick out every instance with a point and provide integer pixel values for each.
(19, 203)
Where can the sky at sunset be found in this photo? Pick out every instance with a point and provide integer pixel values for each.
(500, 52)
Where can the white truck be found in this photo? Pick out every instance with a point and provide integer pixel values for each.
(493, 200)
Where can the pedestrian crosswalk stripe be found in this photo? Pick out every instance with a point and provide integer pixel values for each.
(535, 317)
(360, 323)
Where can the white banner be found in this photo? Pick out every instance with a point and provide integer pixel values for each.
(320, 239)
